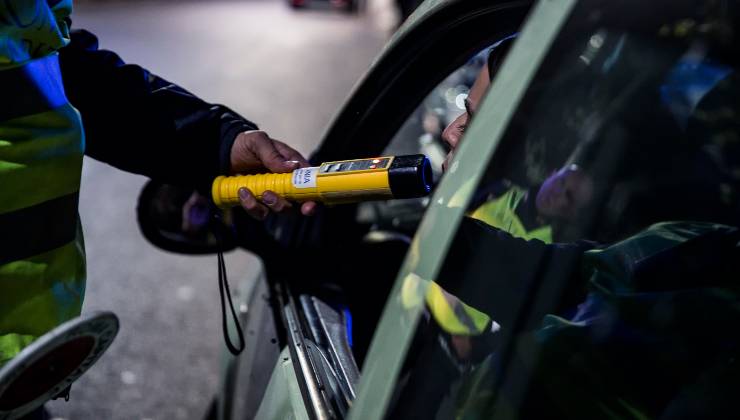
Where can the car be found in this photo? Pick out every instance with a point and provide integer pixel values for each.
(424, 309)
(347, 5)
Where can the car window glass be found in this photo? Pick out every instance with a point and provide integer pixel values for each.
(594, 275)
(421, 133)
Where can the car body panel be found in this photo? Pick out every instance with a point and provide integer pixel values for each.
(243, 377)
(283, 399)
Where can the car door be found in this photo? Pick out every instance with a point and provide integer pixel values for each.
(615, 126)
(435, 47)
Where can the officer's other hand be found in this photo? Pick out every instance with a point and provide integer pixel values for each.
(255, 152)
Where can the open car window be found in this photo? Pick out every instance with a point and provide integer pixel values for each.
(588, 268)
(421, 133)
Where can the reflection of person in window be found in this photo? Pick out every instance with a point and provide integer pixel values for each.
(531, 214)
(517, 214)
(524, 213)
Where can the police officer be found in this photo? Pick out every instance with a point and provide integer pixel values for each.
(62, 97)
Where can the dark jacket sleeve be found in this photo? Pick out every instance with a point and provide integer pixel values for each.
(142, 123)
(505, 276)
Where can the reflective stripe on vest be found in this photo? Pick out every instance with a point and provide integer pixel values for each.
(12, 344)
(35, 87)
(42, 264)
(38, 229)
(451, 314)
(501, 213)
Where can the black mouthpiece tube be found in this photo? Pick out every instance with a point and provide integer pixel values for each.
(410, 176)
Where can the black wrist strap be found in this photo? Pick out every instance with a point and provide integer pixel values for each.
(223, 289)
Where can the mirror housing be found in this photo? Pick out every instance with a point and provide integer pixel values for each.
(182, 220)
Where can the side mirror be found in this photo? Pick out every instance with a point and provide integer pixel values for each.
(182, 220)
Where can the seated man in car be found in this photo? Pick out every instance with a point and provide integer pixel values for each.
(528, 213)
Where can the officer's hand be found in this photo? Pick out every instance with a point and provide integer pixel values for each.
(254, 152)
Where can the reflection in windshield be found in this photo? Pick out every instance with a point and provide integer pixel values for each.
(596, 273)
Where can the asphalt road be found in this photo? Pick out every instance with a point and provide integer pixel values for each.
(289, 72)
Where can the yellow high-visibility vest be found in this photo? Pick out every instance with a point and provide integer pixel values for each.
(42, 260)
(451, 314)
(501, 213)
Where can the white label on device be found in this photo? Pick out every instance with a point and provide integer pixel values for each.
(305, 177)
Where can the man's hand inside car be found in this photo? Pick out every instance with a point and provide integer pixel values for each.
(254, 152)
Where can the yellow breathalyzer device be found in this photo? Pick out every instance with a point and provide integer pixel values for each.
(345, 181)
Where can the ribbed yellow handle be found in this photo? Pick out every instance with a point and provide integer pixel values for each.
(225, 189)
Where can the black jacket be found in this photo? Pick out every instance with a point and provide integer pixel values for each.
(141, 123)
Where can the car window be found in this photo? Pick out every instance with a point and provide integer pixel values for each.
(421, 133)
(593, 274)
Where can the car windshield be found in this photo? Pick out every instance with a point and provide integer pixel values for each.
(594, 274)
